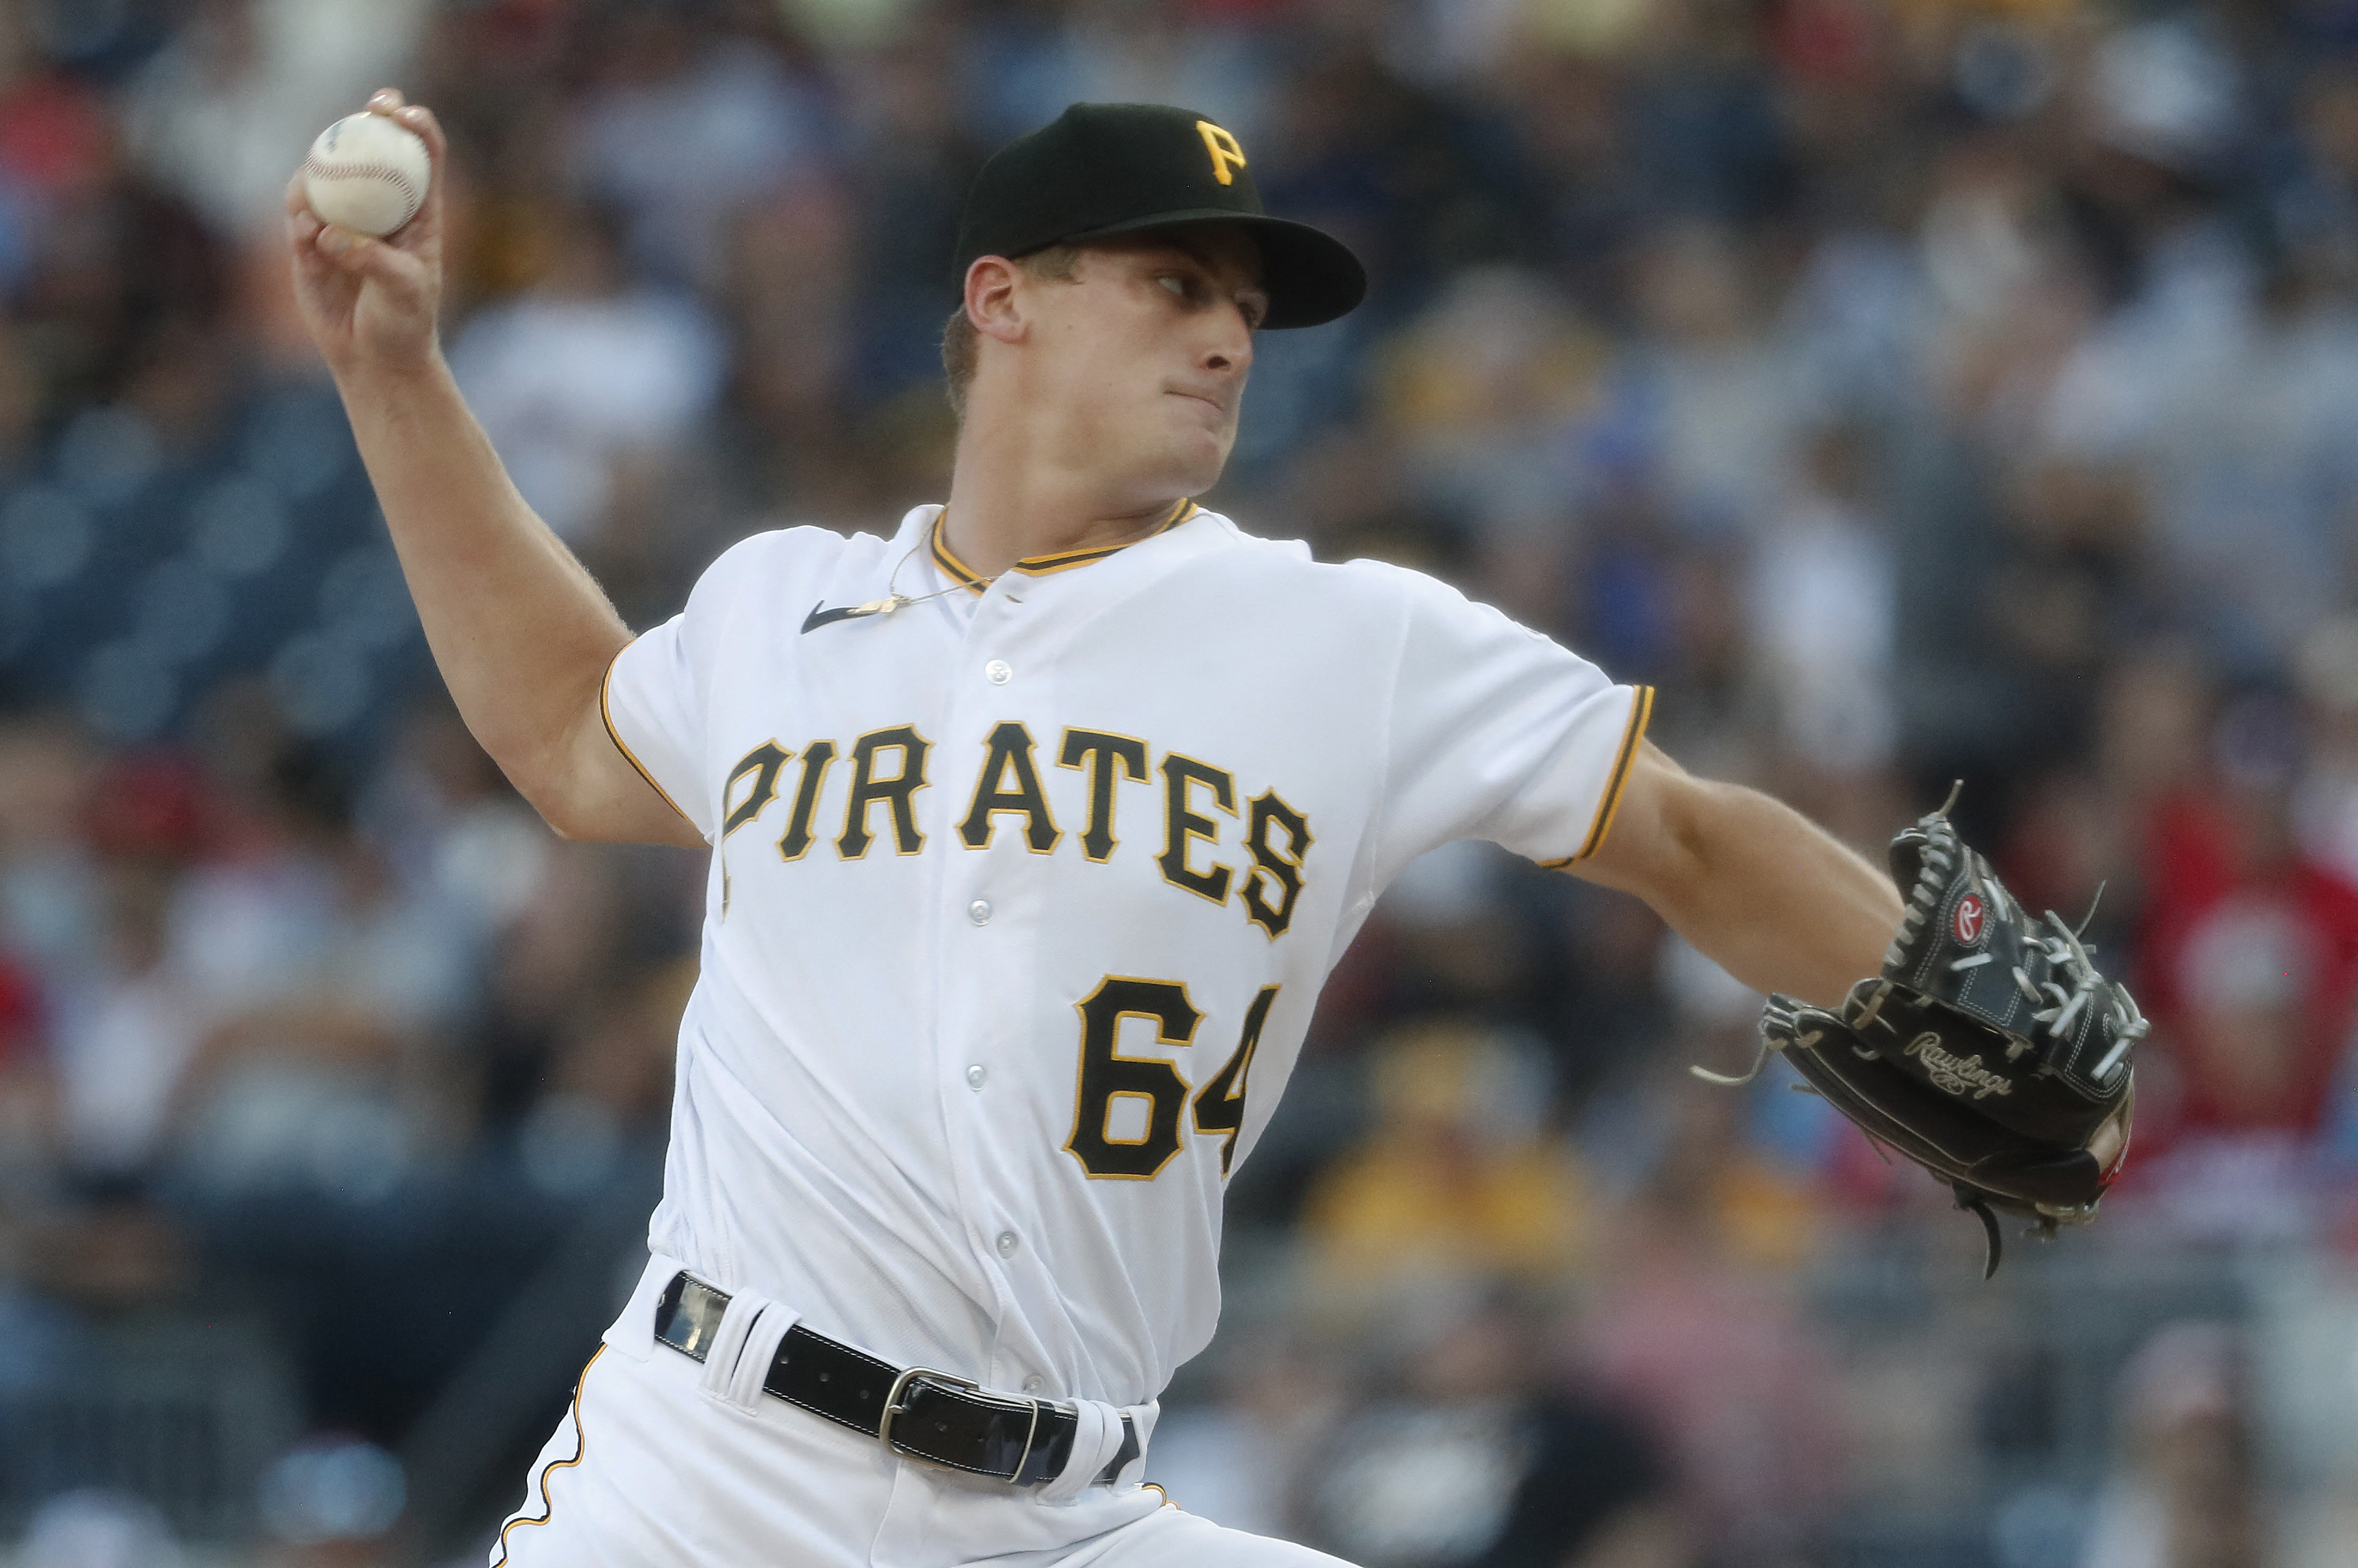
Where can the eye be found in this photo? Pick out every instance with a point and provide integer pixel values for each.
(1175, 282)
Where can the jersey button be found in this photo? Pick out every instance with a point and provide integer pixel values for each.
(975, 1075)
(980, 911)
(998, 671)
(1007, 1244)
(1034, 1383)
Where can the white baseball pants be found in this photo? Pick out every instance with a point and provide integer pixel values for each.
(648, 1469)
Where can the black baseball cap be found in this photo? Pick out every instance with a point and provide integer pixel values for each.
(1101, 170)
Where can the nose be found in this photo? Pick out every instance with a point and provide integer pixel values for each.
(1230, 350)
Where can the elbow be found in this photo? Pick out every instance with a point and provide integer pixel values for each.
(565, 828)
(1659, 845)
(544, 789)
(1676, 865)
(1688, 813)
(567, 816)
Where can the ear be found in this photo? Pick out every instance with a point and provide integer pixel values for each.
(993, 287)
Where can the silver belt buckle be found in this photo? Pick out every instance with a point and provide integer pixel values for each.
(894, 1408)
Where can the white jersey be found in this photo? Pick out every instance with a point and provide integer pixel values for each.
(1022, 897)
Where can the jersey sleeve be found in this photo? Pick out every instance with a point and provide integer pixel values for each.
(1498, 733)
(654, 710)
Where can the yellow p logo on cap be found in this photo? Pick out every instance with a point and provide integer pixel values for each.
(1226, 154)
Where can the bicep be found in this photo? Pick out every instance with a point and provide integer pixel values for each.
(634, 753)
(597, 791)
(625, 802)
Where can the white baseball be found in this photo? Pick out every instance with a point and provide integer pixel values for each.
(367, 173)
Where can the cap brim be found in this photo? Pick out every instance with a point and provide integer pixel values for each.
(1311, 276)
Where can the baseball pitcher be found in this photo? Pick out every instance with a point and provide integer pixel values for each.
(1035, 827)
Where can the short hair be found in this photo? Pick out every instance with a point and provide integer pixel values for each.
(1059, 263)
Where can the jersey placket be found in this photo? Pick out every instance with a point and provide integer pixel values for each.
(989, 917)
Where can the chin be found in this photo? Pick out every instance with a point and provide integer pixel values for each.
(1188, 466)
(1197, 459)
(1195, 478)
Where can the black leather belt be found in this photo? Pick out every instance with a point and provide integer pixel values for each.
(916, 1412)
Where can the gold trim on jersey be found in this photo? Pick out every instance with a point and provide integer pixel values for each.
(606, 712)
(1641, 710)
(580, 1448)
(956, 570)
(966, 576)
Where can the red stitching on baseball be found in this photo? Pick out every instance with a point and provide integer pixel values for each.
(313, 169)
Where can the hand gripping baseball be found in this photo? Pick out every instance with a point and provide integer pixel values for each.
(370, 304)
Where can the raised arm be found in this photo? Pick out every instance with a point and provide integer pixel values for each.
(1750, 882)
(522, 634)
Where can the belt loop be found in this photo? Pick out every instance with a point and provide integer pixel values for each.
(742, 1349)
(1097, 1437)
(1140, 1421)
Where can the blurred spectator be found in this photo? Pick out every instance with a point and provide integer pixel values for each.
(1454, 1179)
(451, 830)
(95, 1527)
(586, 383)
(793, 288)
(1721, 398)
(1477, 1460)
(1685, 1325)
(2189, 1491)
(49, 904)
(2326, 805)
(1246, 1456)
(127, 1034)
(544, 972)
(324, 991)
(333, 1500)
(1822, 613)
(27, 1110)
(609, 1084)
(686, 121)
(1699, 1160)
(1121, 51)
(2253, 985)
(225, 111)
(120, 269)
(1495, 393)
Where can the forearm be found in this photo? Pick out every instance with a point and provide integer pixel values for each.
(1772, 898)
(1779, 902)
(521, 631)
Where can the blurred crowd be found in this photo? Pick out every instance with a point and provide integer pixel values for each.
(1911, 390)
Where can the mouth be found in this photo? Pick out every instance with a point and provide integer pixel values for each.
(1214, 404)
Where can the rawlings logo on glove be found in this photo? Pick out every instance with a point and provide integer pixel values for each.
(1958, 1075)
(1990, 1050)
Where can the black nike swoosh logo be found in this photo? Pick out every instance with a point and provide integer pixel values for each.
(818, 617)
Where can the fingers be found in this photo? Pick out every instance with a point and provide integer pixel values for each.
(2111, 1140)
(389, 102)
(420, 119)
(302, 224)
(303, 228)
(302, 238)
(422, 233)
(339, 249)
(364, 257)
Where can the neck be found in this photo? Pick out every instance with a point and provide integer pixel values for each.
(1003, 509)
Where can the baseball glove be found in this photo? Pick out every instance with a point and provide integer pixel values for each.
(1990, 1050)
